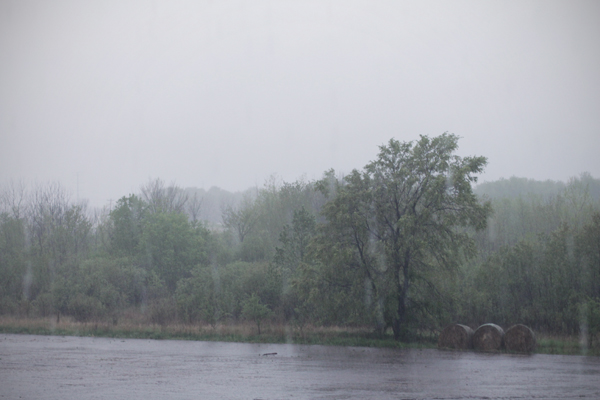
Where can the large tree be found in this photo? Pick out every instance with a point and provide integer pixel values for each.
(406, 216)
(127, 219)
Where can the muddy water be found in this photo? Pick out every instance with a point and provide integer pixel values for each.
(40, 367)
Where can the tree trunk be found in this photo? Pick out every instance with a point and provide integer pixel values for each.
(398, 323)
(402, 293)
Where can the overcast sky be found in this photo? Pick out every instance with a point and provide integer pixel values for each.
(103, 95)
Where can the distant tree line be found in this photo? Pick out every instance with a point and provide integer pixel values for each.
(405, 245)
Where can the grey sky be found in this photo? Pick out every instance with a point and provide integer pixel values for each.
(228, 93)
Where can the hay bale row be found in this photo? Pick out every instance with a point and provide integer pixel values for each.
(488, 337)
(456, 337)
(519, 338)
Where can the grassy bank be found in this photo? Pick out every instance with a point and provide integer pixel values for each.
(551, 344)
(238, 332)
(245, 332)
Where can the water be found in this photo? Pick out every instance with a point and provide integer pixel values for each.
(41, 367)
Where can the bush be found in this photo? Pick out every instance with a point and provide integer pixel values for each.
(85, 308)
(162, 311)
(591, 320)
(43, 305)
(253, 310)
(8, 306)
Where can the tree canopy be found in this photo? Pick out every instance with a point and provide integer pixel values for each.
(400, 246)
(406, 215)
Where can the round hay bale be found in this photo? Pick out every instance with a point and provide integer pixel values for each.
(519, 338)
(488, 337)
(455, 336)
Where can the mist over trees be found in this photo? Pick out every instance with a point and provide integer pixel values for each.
(407, 244)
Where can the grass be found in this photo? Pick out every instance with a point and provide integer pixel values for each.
(135, 328)
(553, 344)
(238, 332)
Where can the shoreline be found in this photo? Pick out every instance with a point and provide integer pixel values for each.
(246, 333)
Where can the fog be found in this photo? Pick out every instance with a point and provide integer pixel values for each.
(102, 96)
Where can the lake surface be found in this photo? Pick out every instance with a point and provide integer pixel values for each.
(54, 367)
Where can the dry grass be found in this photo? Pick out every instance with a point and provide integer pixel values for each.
(135, 326)
(130, 327)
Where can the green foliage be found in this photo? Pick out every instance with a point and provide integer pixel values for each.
(215, 293)
(254, 249)
(591, 318)
(43, 305)
(514, 188)
(588, 247)
(98, 288)
(332, 290)
(172, 247)
(401, 216)
(13, 258)
(127, 219)
(198, 297)
(533, 211)
(391, 245)
(162, 311)
(258, 220)
(85, 308)
(295, 240)
(254, 310)
(289, 258)
(541, 282)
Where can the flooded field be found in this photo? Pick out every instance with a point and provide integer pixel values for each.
(49, 367)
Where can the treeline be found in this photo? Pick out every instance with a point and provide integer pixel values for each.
(150, 254)
(314, 252)
(539, 258)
